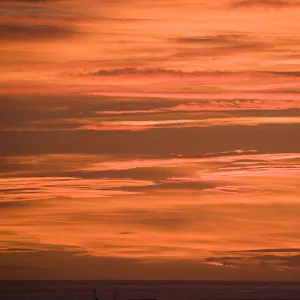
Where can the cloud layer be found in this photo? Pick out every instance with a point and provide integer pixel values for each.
(150, 137)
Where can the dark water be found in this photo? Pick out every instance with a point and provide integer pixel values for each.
(161, 290)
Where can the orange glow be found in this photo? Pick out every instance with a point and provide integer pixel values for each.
(150, 134)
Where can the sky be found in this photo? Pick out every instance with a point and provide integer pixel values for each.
(150, 139)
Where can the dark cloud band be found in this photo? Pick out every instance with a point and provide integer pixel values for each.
(12, 32)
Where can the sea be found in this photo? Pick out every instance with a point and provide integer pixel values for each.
(159, 290)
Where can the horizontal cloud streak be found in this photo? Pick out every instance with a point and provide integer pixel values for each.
(150, 137)
(15, 33)
(48, 187)
(262, 4)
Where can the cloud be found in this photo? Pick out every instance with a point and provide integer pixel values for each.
(262, 4)
(14, 33)
(294, 74)
(193, 141)
(277, 262)
(250, 257)
(157, 143)
(135, 217)
(217, 44)
(22, 268)
(102, 113)
(7, 232)
(26, 245)
(16, 204)
(153, 173)
(280, 250)
(177, 185)
(29, 1)
(225, 45)
(241, 174)
(214, 39)
(188, 121)
(42, 188)
(115, 114)
(227, 157)
(134, 125)
(132, 71)
(230, 262)
(18, 250)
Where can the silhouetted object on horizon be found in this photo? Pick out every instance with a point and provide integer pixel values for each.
(94, 292)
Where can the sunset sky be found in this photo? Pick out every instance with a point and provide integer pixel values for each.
(150, 139)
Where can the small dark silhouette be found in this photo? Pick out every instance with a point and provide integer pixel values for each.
(94, 292)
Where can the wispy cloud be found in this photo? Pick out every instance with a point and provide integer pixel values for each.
(262, 4)
(30, 1)
(49, 187)
(269, 258)
(13, 32)
(288, 250)
(150, 137)
(22, 268)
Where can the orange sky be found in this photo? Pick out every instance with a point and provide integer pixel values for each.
(150, 139)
